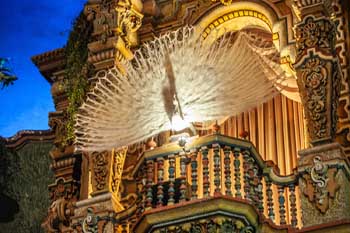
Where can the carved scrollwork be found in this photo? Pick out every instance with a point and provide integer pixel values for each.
(319, 33)
(210, 225)
(114, 19)
(320, 184)
(100, 169)
(89, 224)
(314, 75)
(63, 195)
(117, 170)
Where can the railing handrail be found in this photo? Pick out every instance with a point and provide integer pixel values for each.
(268, 168)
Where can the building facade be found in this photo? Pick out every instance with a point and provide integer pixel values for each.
(281, 167)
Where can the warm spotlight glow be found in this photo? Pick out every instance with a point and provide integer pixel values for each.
(177, 123)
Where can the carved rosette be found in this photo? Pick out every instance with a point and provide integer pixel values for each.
(319, 77)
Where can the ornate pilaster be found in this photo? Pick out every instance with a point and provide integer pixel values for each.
(323, 169)
(96, 214)
(318, 69)
(66, 165)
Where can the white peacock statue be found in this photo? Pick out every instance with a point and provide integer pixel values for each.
(173, 81)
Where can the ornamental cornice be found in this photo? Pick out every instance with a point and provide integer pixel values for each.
(23, 137)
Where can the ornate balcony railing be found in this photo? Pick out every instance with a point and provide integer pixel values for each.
(216, 166)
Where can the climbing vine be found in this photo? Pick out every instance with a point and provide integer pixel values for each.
(77, 71)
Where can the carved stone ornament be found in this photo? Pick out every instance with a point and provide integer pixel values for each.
(114, 19)
(319, 83)
(117, 169)
(100, 170)
(89, 224)
(319, 33)
(209, 225)
(63, 195)
(320, 184)
(314, 7)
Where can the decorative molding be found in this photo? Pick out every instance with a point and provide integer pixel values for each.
(315, 33)
(23, 137)
(232, 15)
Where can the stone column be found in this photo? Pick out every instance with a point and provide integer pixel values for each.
(96, 214)
(323, 168)
(318, 69)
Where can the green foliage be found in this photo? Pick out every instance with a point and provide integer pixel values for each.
(6, 75)
(77, 70)
(30, 176)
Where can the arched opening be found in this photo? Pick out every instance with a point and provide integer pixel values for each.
(276, 127)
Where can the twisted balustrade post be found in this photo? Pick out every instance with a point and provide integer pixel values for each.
(237, 168)
(217, 169)
(183, 177)
(227, 162)
(205, 164)
(171, 171)
(194, 175)
(282, 208)
(269, 195)
(246, 175)
(149, 183)
(293, 205)
(160, 178)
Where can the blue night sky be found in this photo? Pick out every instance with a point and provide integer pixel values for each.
(29, 28)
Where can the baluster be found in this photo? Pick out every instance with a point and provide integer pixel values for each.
(160, 170)
(260, 194)
(194, 175)
(293, 205)
(237, 165)
(141, 190)
(171, 190)
(227, 162)
(246, 175)
(255, 184)
(217, 169)
(183, 177)
(149, 183)
(205, 162)
(253, 181)
(269, 200)
(282, 209)
(125, 227)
